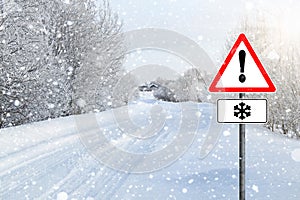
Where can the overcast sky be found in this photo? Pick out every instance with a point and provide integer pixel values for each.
(207, 22)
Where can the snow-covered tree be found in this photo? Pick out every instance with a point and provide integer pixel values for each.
(50, 50)
(279, 55)
(23, 48)
(100, 69)
(125, 90)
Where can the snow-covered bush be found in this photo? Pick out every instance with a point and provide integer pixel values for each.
(164, 93)
(192, 86)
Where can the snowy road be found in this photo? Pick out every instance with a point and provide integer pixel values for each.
(47, 160)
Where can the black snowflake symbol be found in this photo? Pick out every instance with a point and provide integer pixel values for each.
(242, 110)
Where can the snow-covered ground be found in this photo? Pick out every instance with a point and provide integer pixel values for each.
(47, 160)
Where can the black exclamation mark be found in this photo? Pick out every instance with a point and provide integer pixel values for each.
(242, 56)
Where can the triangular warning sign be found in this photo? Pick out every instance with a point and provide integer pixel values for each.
(242, 71)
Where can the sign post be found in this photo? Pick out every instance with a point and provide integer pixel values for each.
(242, 72)
(242, 156)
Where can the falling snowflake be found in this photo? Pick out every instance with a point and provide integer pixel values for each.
(70, 23)
(242, 110)
(184, 190)
(62, 196)
(255, 188)
(17, 103)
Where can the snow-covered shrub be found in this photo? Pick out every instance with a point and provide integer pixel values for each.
(192, 86)
(164, 93)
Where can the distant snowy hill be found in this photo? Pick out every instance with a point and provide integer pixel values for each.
(47, 160)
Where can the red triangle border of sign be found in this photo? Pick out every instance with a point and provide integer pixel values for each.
(242, 38)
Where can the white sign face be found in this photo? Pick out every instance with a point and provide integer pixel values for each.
(230, 77)
(242, 71)
(242, 110)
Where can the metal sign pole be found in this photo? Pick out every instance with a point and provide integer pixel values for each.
(242, 158)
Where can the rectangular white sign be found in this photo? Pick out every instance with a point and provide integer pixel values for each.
(242, 110)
